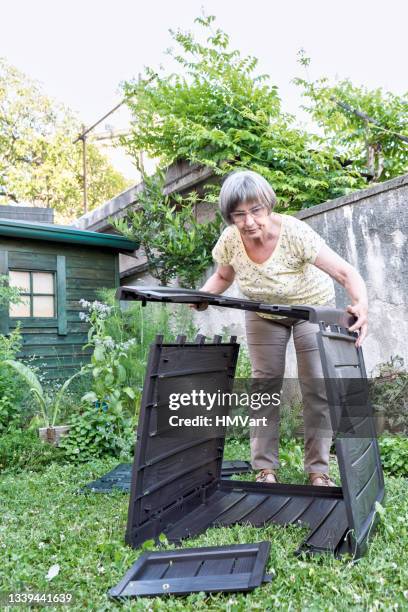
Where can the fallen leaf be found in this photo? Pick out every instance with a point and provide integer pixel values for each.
(52, 572)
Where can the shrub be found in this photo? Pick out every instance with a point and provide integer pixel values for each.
(388, 394)
(121, 342)
(104, 423)
(48, 406)
(176, 245)
(394, 455)
(22, 449)
(98, 431)
(11, 391)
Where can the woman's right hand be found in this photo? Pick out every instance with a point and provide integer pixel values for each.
(201, 306)
(218, 282)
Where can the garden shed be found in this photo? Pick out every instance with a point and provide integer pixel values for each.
(55, 267)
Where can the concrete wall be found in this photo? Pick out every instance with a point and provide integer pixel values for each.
(27, 213)
(369, 229)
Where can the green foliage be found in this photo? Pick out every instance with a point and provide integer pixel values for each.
(121, 340)
(363, 126)
(22, 449)
(388, 394)
(291, 454)
(221, 113)
(394, 455)
(11, 393)
(175, 243)
(98, 430)
(110, 365)
(104, 423)
(49, 406)
(38, 161)
(8, 294)
(244, 367)
(10, 345)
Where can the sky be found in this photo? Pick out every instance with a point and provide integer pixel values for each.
(81, 50)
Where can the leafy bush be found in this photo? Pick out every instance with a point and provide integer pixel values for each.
(121, 342)
(104, 423)
(8, 294)
(389, 394)
(367, 126)
(394, 455)
(98, 431)
(11, 391)
(176, 245)
(22, 449)
(48, 406)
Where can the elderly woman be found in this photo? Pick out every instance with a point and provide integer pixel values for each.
(278, 259)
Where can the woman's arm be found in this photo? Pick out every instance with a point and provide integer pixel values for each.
(218, 282)
(345, 274)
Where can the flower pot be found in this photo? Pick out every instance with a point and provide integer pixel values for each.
(380, 421)
(52, 435)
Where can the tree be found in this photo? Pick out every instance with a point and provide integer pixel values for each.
(39, 163)
(366, 127)
(220, 113)
(175, 244)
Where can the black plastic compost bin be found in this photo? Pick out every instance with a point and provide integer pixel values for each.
(177, 487)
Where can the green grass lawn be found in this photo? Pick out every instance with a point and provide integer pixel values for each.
(44, 522)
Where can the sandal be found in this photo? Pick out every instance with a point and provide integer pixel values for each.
(319, 479)
(268, 476)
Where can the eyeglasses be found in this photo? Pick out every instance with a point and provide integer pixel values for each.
(256, 212)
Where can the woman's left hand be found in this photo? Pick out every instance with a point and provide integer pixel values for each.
(360, 311)
(345, 274)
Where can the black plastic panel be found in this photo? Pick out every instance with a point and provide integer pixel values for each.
(193, 570)
(356, 442)
(230, 468)
(315, 314)
(322, 509)
(120, 477)
(117, 479)
(173, 473)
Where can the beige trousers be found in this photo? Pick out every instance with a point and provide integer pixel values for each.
(267, 342)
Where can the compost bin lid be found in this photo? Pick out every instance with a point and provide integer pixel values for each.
(314, 314)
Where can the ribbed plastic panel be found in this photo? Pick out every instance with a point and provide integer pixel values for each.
(172, 474)
(193, 570)
(120, 477)
(356, 441)
(178, 295)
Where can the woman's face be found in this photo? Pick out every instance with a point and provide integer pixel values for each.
(251, 218)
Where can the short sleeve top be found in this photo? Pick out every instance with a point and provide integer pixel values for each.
(288, 276)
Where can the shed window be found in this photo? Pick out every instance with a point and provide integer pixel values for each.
(37, 293)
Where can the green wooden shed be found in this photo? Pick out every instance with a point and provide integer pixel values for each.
(56, 266)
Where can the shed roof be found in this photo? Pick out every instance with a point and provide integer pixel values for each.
(62, 233)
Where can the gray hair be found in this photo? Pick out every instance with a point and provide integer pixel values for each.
(245, 186)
